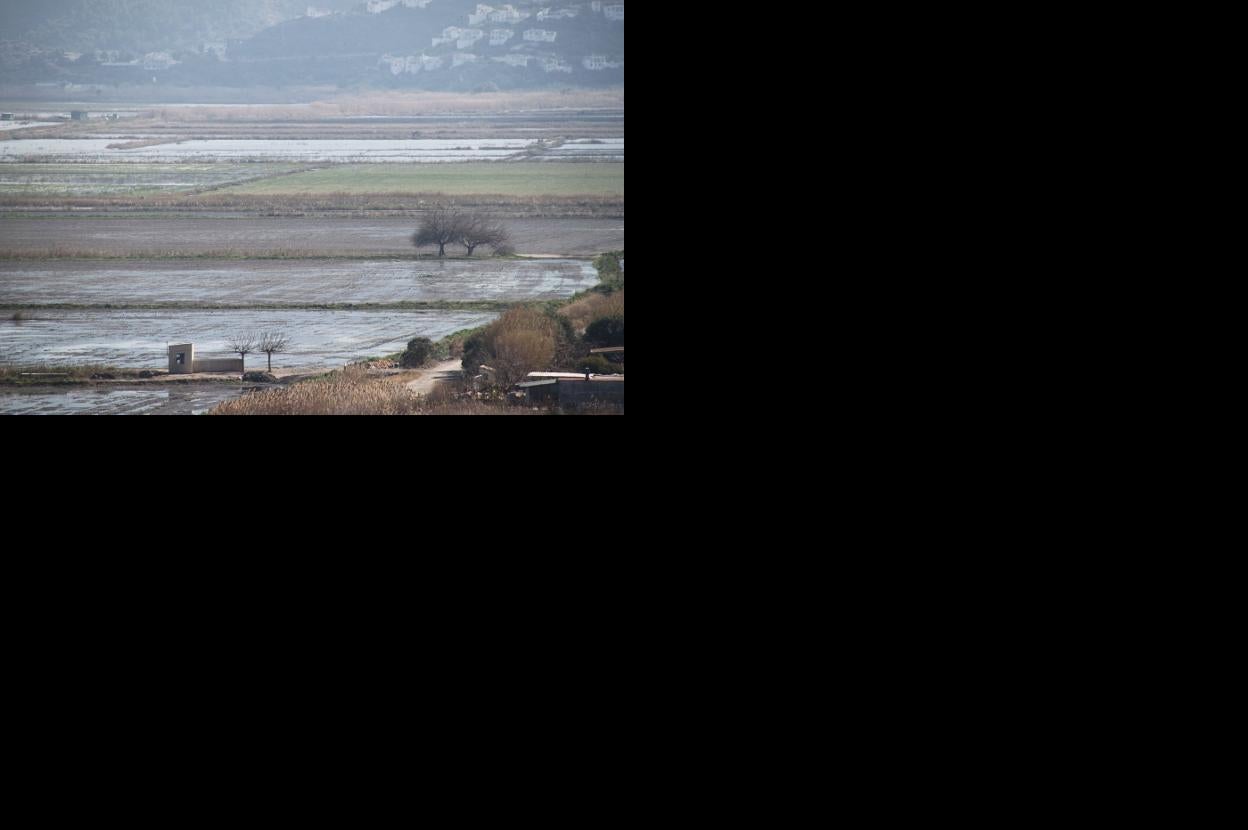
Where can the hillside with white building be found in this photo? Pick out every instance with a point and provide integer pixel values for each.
(424, 44)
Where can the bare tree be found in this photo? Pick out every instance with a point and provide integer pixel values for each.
(472, 230)
(271, 343)
(476, 230)
(438, 227)
(500, 241)
(242, 345)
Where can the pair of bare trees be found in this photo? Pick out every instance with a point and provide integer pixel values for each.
(265, 342)
(472, 230)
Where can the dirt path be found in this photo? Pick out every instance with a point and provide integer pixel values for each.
(447, 370)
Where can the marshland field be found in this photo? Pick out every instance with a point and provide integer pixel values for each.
(193, 223)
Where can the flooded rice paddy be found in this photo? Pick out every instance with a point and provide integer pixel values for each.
(125, 179)
(290, 282)
(140, 339)
(191, 399)
(355, 151)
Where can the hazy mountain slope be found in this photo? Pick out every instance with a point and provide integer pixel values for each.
(447, 44)
(421, 44)
(145, 25)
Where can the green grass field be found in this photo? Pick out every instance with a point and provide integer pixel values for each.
(503, 179)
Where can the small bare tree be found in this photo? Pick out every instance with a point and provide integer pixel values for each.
(242, 345)
(472, 230)
(438, 227)
(273, 342)
(476, 230)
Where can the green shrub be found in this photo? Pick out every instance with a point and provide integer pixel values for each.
(608, 264)
(607, 331)
(609, 271)
(522, 340)
(260, 377)
(599, 365)
(475, 354)
(567, 342)
(418, 351)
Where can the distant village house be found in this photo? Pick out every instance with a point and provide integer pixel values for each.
(558, 14)
(505, 14)
(156, 61)
(468, 37)
(379, 6)
(597, 63)
(450, 34)
(509, 14)
(515, 60)
(411, 65)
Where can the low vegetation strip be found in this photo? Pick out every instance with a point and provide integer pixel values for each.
(139, 144)
(337, 204)
(511, 102)
(50, 182)
(354, 391)
(483, 178)
(98, 254)
(27, 310)
(45, 375)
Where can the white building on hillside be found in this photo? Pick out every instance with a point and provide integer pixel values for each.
(379, 6)
(558, 14)
(508, 14)
(153, 61)
(399, 65)
(597, 63)
(514, 60)
(540, 36)
(450, 34)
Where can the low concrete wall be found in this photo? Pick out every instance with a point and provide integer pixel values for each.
(578, 392)
(225, 364)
